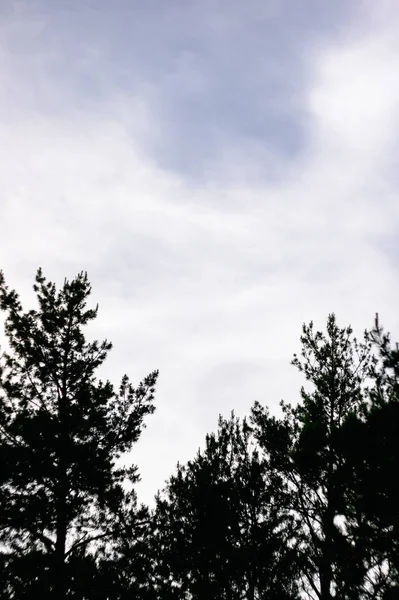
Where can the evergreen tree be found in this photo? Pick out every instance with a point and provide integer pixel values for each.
(369, 441)
(303, 449)
(221, 531)
(127, 567)
(62, 432)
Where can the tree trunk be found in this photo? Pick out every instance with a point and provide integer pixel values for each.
(60, 579)
(326, 574)
(325, 580)
(61, 584)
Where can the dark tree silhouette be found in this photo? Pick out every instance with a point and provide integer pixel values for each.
(222, 531)
(302, 506)
(61, 434)
(370, 443)
(303, 449)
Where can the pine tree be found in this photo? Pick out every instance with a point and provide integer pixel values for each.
(221, 532)
(369, 441)
(303, 448)
(62, 432)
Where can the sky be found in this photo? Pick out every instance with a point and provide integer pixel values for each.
(223, 170)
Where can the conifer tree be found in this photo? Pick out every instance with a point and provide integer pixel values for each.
(62, 432)
(369, 442)
(303, 448)
(222, 531)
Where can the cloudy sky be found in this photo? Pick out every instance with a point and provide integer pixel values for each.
(224, 170)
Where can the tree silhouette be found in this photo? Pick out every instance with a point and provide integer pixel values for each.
(61, 433)
(302, 506)
(221, 531)
(303, 449)
(369, 441)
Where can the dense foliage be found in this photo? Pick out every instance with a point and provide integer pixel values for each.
(61, 433)
(301, 506)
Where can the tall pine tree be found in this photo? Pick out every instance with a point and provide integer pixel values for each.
(303, 449)
(369, 441)
(62, 432)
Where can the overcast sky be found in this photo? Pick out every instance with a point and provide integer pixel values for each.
(224, 170)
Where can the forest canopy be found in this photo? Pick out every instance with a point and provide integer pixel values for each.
(305, 505)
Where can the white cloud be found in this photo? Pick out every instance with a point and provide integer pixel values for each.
(209, 282)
